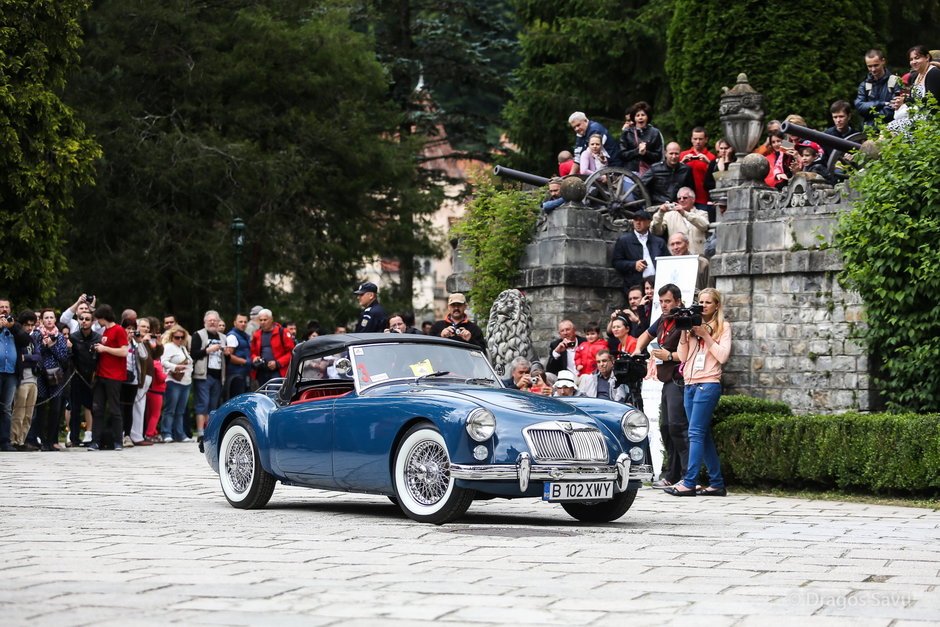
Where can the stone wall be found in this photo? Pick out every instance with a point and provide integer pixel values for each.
(792, 320)
(565, 273)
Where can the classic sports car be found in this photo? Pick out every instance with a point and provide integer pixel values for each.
(428, 423)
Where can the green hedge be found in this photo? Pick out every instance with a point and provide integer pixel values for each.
(735, 404)
(874, 452)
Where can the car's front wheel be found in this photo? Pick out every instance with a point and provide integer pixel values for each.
(245, 483)
(605, 511)
(421, 475)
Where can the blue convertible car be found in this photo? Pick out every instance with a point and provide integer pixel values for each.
(428, 423)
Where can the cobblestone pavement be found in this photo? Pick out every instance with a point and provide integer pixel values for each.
(144, 536)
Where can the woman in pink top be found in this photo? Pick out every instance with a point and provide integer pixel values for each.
(702, 351)
(595, 157)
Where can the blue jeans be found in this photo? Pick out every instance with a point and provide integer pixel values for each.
(207, 393)
(700, 402)
(8, 386)
(175, 400)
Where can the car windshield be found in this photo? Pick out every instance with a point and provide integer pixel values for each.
(393, 362)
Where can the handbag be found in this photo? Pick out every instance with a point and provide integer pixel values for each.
(55, 375)
(178, 376)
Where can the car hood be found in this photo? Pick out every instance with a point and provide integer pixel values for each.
(513, 400)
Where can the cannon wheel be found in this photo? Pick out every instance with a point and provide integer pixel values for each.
(616, 192)
(836, 155)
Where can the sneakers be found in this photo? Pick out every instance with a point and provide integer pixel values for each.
(93, 447)
(662, 484)
(127, 442)
(167, 438)
(187, 440)
(118, 447)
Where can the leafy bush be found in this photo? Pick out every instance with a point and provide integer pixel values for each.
(735, 404)
(495, 231)
(891, 258)
(877, 452)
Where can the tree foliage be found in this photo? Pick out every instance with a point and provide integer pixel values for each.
(494, 233)
(889, 246)
(801, 58)
(269, 111)
(45, 153)
(598, 57)
(447, 62)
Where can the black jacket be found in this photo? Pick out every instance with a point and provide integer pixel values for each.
(628, 250)
(629, 147)
(555, 365)
(476, 333)
(84, 356)
(662, 182)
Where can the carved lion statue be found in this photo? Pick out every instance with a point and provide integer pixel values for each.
(507, 330)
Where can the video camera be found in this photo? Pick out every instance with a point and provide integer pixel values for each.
(686, 317)
(629, 368)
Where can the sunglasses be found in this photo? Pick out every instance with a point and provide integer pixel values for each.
(179, 337)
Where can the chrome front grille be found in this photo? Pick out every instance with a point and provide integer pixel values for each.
(560, 441)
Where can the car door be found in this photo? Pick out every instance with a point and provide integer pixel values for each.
(303, 440)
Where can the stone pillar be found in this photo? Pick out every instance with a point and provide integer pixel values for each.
(792, 322)
(565, 272)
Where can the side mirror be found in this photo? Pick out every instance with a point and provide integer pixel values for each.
(343, 367)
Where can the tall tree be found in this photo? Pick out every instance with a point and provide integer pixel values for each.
(45, 153)
(448, 63)
(598, 57)
(270, 111)
(802, 59)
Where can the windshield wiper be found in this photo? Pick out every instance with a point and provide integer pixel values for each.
(436, 373)
(480, 381)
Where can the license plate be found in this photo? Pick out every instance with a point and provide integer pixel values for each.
(578, 491)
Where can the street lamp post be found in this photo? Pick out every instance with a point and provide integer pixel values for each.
(238, 241)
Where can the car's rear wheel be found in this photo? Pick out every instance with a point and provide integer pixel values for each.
(605, 511)
(245, 483)
(421, 475)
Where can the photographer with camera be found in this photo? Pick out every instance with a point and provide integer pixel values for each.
(85, 361)
(561, 352)
(271, 347)
(84, 304)
(208, 353)
(457, 325)
(703, 350)
(519, 378)
(673, 425)
(13, 342)
(682, 217)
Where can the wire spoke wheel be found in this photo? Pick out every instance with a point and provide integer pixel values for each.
(428, 472)
(424, 489)
(240, 463)
(245, 482)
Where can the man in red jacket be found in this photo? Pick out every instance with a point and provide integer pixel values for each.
(698, 157)
(271, 346)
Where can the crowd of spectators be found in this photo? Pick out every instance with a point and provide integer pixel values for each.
(90, 378)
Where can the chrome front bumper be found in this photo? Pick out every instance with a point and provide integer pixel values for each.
(524, 471)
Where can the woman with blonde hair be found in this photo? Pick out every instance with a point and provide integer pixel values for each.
(703, 350)
(178, 366)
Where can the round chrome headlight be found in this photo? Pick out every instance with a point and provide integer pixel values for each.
(635, 425)
(481, 423)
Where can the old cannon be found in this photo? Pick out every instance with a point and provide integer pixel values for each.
(614, 191)
(838, 146)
